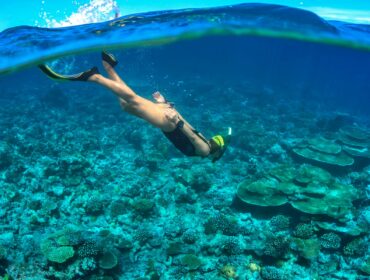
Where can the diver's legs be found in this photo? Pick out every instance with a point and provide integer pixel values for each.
(120, 89)
(115, 77)
(112, 73)
(109, 62)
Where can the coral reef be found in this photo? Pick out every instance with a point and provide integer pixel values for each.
(85, 200)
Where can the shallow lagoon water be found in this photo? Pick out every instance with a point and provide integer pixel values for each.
(91, 192)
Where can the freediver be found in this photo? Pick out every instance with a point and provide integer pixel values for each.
(161, 113)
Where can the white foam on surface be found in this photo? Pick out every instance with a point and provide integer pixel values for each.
(92, 12)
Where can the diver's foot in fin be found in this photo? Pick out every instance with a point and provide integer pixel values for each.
(109, 58)
(82, 77)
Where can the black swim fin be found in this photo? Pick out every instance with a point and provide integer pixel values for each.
(109, 58)
(83, 76)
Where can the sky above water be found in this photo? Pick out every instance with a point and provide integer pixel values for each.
(38, 12)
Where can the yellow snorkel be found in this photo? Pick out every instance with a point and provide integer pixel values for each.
(222, 141)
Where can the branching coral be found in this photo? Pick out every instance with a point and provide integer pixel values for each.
(356, 248)
(276, 246)
(273, 273)
(226, 224)
(231, 246)
(330, 241)
(280, 222)
(304, 231)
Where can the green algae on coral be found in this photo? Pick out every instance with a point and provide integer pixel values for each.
(288, 188)
(356, 248)
(325, 146)
(262, 193)
(363, 152)
(345, 140)
(196, 178)
(306, 248)
(2, 252)
(349, 228)
(191, 261)
(109, 260)
(308, 173)
(336, 202)
(353, 142)
(5, 155)
(55, 253)
(143, 206)
(319, 195)
(316, 189)
(356, 141)
(365, 268)
(341, 159)
(69, 236)
(283, 172)
(356, 132)
(61, 254)
(175, 248)
(311, 205)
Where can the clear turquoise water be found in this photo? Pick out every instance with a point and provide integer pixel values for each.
(91, 192)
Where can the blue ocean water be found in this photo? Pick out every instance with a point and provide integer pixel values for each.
(91, 192)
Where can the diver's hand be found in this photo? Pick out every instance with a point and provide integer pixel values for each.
(158, 97)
